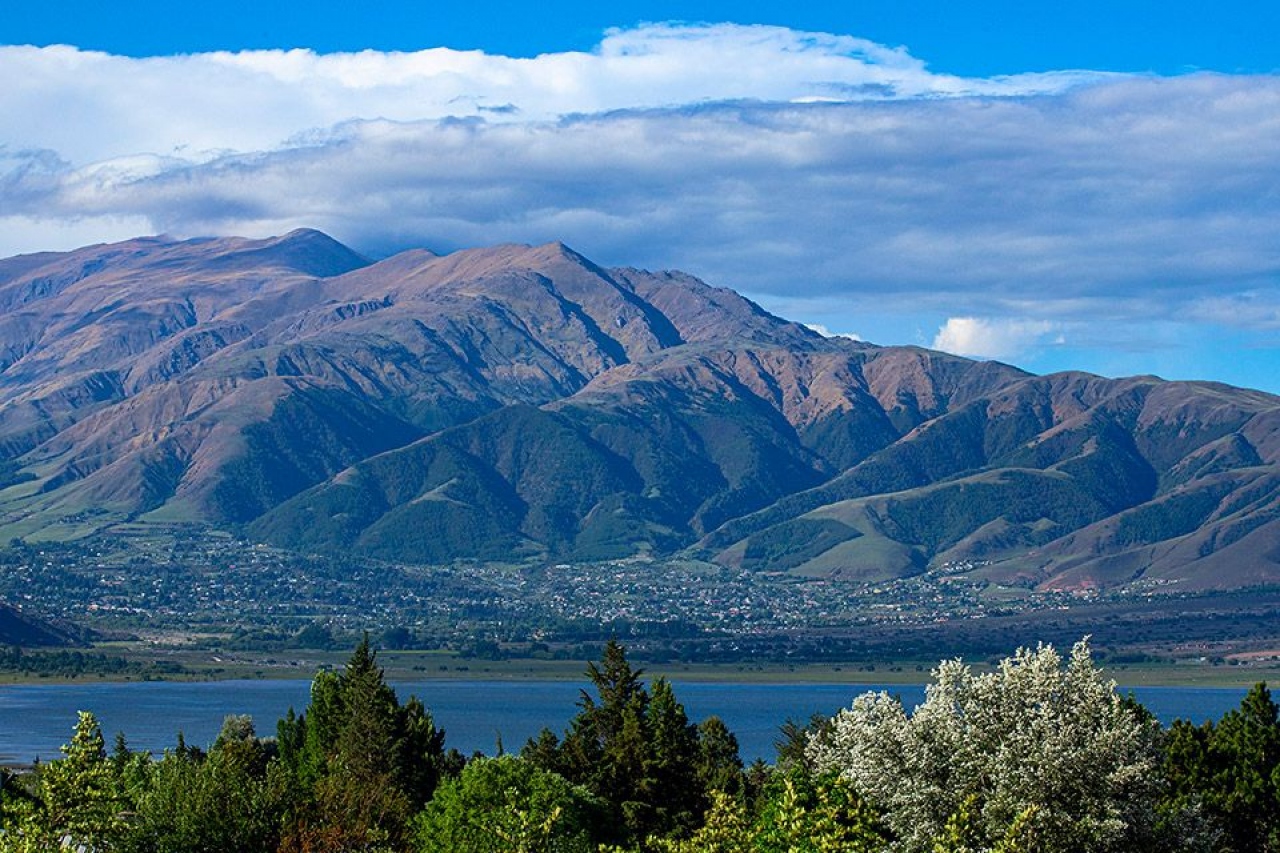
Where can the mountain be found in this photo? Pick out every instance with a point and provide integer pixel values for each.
(22, 629)
(523, 402)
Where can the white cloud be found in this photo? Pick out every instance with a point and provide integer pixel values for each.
(794, 166)
(827, 333)
(995, 337)
(198, 106)
(1248, 309)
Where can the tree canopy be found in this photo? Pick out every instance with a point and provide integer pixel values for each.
(1038, 756)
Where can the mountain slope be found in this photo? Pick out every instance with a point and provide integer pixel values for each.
(1067, 480)
(524, 402)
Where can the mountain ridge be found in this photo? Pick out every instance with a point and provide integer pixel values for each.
(524, 401)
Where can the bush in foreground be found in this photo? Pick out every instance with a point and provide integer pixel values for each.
(1045, 746)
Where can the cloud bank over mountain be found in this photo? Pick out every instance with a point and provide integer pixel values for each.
(836, 180)
(198, 107)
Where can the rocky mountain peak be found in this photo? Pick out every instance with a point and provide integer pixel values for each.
(523, 400)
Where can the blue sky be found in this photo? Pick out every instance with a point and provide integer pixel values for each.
(973, 38)
(1086, 185)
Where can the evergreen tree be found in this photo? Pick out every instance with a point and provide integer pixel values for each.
(361, 762)
(671, 772)
(424, 761)
(719, 765)
(639, 752)
(794, 737)
(362, 797)
(607, 743)
(1224, 779)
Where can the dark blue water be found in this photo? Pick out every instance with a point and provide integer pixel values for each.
(36, 719)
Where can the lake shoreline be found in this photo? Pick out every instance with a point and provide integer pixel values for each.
(203, 666)
(478, 715)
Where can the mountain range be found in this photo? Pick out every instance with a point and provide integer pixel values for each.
(521, 402)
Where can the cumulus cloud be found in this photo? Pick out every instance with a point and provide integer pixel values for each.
(203, 105)
(994, 337)
(794, 166)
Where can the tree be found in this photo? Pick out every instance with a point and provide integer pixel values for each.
(77, 802)
(361, 799)
(1048, 747)
(1224, 779)
(606, 747)
(362, 763)
(719, 762)
(227, 800)
(808, 814)
(639, 752)
(671, 771)
(792, 744)
(508, 804)
(726, 829)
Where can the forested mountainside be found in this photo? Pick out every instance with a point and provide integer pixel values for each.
(523, 401)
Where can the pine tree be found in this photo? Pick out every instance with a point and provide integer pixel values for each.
(719, 762)
(1224, 785)
(363, 763)
(671, 771)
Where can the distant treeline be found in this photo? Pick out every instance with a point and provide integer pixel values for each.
(1039, 755)
(63, 663)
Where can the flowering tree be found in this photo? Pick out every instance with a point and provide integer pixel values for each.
(1040, 745)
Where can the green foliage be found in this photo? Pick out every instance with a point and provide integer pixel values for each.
(726, 829)
(231, 799)
(942, 516)
(1172, 516)
(68, 663)
(674, 790)
(1224, 779)
(11, 474)
(719, 765)
(509, 804)
(1040, 756)
(792, 745)
(639, 753)
(807, 814)
(311, 435)
(793, 543)
(76, 801)
(360, 763)
(800, 814)
(964, 834)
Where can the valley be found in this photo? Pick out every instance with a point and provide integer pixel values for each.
(514, 453)
(194, 603)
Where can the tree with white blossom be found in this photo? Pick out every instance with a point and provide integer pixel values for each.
(1040, 745)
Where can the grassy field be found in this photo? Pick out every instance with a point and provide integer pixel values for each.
(419, 665)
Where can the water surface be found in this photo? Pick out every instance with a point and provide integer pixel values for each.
(35, 719)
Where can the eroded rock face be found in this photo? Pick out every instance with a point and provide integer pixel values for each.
(522, 400)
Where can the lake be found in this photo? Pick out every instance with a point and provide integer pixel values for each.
(35, 719)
